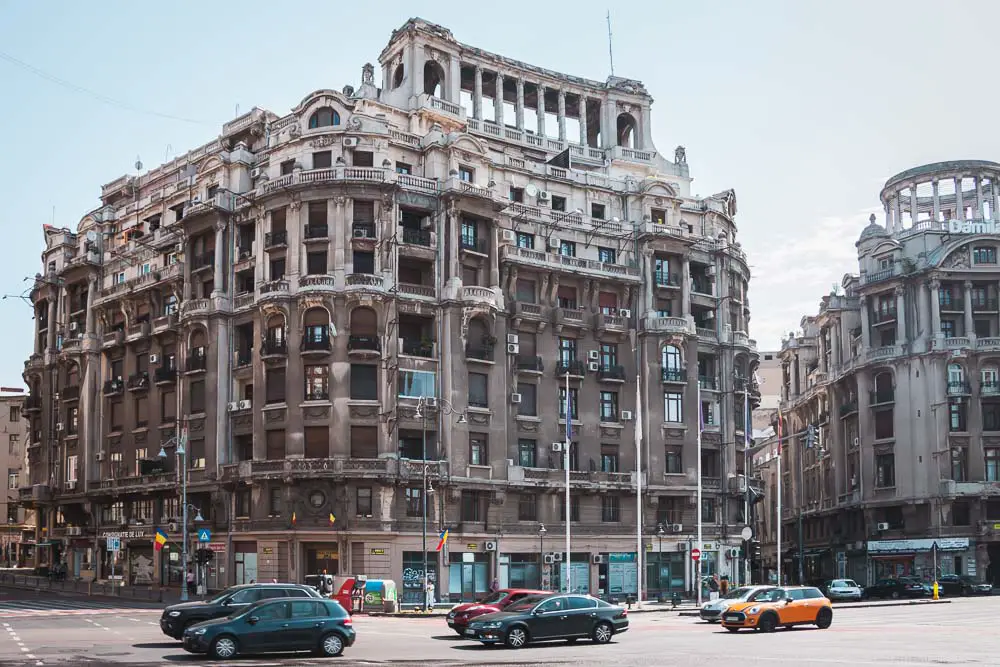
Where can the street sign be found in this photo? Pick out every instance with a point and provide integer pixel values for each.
(217, 547)
(114, 544)
(696, 554)
(204, 535)
(746, 533)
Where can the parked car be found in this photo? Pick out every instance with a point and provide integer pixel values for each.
(713, 610)
(460, 615)
(843, 589)
(275, 626)
(549, 617)
(794, 605)
(963, 584)
(177, 618)
(903, 587)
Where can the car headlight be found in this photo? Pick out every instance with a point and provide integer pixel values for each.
(174, 614)
(492, 625)
(752, 610)
(201, 631)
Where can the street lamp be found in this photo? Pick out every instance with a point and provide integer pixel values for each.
(425, 403)
(180, 440)
(541, 552)
(659, 557)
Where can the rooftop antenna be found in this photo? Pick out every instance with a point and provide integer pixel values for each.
(611, 55)
(237, 111)
(166, 153)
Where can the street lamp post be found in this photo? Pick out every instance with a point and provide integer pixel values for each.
(423, 404)
(659, 557)
(180, 441)
(541, 552)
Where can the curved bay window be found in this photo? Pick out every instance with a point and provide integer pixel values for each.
(274, 336)
(363, 330)
(324, 117)
(316, 332)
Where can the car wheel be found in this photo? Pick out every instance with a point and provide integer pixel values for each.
(733, 629)
(895, 595)
(516, 637)
(460, 633)
(824, 618)
(331, 645)
(768, 623)
(223, 648)
(603, 633)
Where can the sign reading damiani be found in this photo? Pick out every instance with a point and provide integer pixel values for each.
(969, 227)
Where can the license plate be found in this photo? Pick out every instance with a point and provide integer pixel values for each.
(733, 619)
(470, 632)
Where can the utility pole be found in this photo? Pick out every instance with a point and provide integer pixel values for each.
(810, 442)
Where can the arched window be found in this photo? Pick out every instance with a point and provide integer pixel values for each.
(433, 78)
(956, 374)
(884, 389)
(397, 76)
(316, 334)
(671, 362)
(72, 375)
(989, 380)
(627, 130)
(324, 117)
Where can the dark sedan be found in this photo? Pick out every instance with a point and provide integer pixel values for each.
(275, 626)
(896, 588)
(955, 584)
(178, 617)
(550, 617)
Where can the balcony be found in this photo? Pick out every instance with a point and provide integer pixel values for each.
(70, 392)
(479, 246)
(530, 364)
(277, 239)
(575, 368)
(531, 311)
(193, 307)
(589, 267)
(137, 331)
(363, 230)
(951, 305)
(420, 237)
(418, 348)
(138, 381)
(570, 316)
(989, 388)
(673, 376)
(274, 288)
(848, 408)
(202, 260)
(885, 352)
(317, 283)
(984, 305)
(882, 396)
(197, 363)
(705, 332)
(274, 347)
(317, 232)
(879, 276)
(665, 279)
(364, 280)
(165, 376)
(614, 373)
(668, 324)
(315, 345)
(363, 345)
(480, 351)
(419, 291)
(480, 295)
(959, 388)
(32, 403)
(317, 395)
(114, 387)
(883, 316)
(244, 358)
(244, 301)
(114, 338)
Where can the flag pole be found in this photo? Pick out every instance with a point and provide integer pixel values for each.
(779, 498)
(569, 422)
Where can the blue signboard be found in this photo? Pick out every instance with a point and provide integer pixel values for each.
(204, 535)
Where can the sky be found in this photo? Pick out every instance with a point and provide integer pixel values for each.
(804, 108)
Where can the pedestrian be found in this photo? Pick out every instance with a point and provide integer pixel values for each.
(495, 586)
(724, 586)
(190, 580)
(429, 597)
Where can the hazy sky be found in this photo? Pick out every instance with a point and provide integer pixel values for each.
(803, 107)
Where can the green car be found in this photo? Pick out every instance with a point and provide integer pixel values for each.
(274, 626)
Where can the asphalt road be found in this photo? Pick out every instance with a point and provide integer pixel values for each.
(36, 631)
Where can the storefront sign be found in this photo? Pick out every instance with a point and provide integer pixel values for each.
(377, 552)
(217, 547)
(267, 551)
(968, 227)
(125, 534)
(996, 526)
(910, 546)
(471, 546)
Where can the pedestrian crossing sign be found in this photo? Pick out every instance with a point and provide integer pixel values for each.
(204, 535)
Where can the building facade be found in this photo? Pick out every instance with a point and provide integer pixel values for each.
(17, 540)
(898, 372)
(378, 301)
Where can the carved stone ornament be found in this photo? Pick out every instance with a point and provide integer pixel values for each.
(478, 418)
(271, 416)
(610, 432)
(294, 130)
(625, 107)
(368, 74)
(196, 425)
(324, 141)
(340, 201)
(527, 426)
(295, 205)
(680, 155)
(711, 438)
(348, 91)
(316, 412)
(363, 411)
(959, 259)
(354, 123)
(243, 422)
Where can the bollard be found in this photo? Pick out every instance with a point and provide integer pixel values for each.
(936, 590)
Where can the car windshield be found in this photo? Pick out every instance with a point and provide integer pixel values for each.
(493, 598)
(526, 603)
(844, 583)
(219, 597)
(737, 593)
(240, 611)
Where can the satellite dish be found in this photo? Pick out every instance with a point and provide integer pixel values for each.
(92, 236)
(531, 190)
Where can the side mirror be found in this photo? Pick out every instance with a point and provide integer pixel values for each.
(536, 612)
(253, 620)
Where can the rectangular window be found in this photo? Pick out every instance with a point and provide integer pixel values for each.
(317, 442)
(885, 470)
(567, 350)
(11, 479)
(467, 174)
(363, 159)
(609, 406)
(196, 453)
(317, 378)
(516, 195)
(992, 455)
(168, 407)
(470, 234)
(478, 454)
(598, 211)
(558, 203)
(479, 390)
(15, 414)
(525, 290)
(573, 407)
(526, 450)
(607, 255)
(574, 508)
(316, 263)
(566, 297)
(527, 507)
(274, 501)
(275, 385)
(567, 248)
(658, 216)
(674, 461)
(322, 160)
(708, 510)
(287, 167)
(415, 384)
(364, 382)
(957, 414)
(609, 355)
(609, 458)
(363, 500)
(275, 445)
(140, 456)
(197, 396)
(472, 506)
(364, 442)
(363, 262)
(984, 255)
(403, 168)
(526, 240)
(673, 407)
(959, 464)
(414, 503)
(529, 400)
(242, 502)
(71, 468)
(117, 415)
(611, 509)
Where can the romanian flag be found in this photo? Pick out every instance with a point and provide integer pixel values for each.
(159, 539)
(293, 519)
(444, 538)
(332, 519)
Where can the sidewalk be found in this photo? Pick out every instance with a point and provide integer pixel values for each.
(100, 589)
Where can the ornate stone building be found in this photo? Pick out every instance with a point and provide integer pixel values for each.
(899, 373)
(317, 299)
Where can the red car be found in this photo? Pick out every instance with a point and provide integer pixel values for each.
(459, 617)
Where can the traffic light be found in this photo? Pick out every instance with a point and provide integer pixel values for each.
(810, 436)
(204, 556)
(754, 549)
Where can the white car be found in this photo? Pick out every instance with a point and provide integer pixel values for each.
(843, 589)
(712, 611)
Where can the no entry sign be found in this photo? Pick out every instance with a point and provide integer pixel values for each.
(695, 554)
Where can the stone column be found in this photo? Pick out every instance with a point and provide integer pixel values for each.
(898, 225)
(888, 216)
(835, 352)
(454, 81)
(866, 329)
(541, 110)
(900, 316)
(647, 278)
(519, 105)
(959, 200)
(995, 199)
(494, 257)
(50, 335)
(188, 256)
(935, 287)
(91, 295)
(498, 100)
(979, 197)
(913, 205)
(218, 284)
(562, 115)
(685, 288)
(937, 200)
(583, 120)
(477, 94)
(969, 325)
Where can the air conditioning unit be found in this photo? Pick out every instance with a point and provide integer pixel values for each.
(593, 366)
(544, 195)
(491, 546)
(882, 526)
(676, 527)
(549, 559)
(624, 312)
(196, 199)
(510, 462)
(255, 172)
(245, 405)
(557, 446)
(360, 232)
(73, 531)
(626, 415)
(513, 338)
(513, 348)
(71, 486)
(508, 236)
(172, 527)
(857, 442)
(593, 355)
(431, 402)
(234, 406)
(597, 559)
(553, 242)
(350, 142)
(154, 358)
(59, 426)
(73, 326)
(682, 546)
(557, 557)
(710, 271)
(515, 398)
(100, 456)
(734, 553)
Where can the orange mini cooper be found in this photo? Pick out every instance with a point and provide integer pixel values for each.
(788, 606)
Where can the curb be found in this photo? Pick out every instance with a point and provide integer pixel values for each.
(861, 605)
